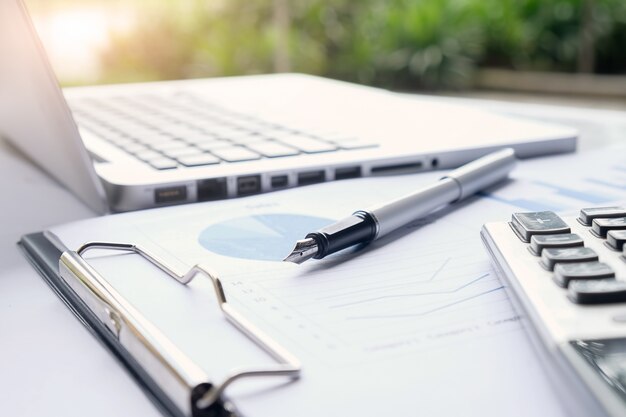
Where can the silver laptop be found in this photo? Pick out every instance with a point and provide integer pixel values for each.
(154, 144)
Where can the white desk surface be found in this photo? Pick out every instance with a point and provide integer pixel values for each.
(49, 364)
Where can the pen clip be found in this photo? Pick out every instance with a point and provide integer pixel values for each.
(185, 382)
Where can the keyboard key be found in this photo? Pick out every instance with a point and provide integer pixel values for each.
(538, 223)
(335, 137)
(357, 144)
(235, 154)
(276, 133)
(597, 292)
(214, 145)
(188, 151)
(564, 273)
(272, 149)
(222, 132)
(567, 240)
(587, 215)
(162, 163)
(198, 160)
(550, 257)
(616, 239)
(600, 227)
(148, 155)
(134, 147)
(307, 144)
(168, 146)
(201, 138)
(120, 140)
(246, 138)
(153, 139)
(183, 132)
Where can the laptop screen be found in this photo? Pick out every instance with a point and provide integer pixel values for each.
(33, 114)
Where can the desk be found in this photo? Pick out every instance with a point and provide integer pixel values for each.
(50, 365)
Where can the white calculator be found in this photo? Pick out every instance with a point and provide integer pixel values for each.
(568, 276)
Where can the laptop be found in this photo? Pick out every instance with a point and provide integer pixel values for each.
(137, 146)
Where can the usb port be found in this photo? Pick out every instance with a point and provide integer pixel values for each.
(279, 181)
(311, 177)
(170, 194)
(213, 189)
(347, 172)
(249, 185)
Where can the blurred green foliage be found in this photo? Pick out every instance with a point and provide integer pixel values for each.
(407, 44)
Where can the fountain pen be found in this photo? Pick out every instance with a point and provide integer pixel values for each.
(364, 226)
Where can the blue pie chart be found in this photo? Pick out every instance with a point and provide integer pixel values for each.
(264, 237)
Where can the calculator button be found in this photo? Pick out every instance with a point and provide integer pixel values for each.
(564, 273)
(587, 215)
(538, 223)
(567, 240)
(600, 227)
(616, 239)
(597, 292)
(550, 257)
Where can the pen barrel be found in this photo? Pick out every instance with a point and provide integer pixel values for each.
(404, 210)
(483, 172)
(457, 185)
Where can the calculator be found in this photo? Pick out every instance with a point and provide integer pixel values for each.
(567, 275)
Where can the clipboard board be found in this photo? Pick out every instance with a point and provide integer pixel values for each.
(176, 385)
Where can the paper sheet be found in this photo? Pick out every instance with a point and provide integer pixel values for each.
(415, 324)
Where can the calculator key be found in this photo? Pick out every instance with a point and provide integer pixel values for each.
(616, 239)
(567, 240)
(564, 273)
(550, 257)
(600, 227)
(538, 223)
(163, 163)
(597, 292)
(587, 215)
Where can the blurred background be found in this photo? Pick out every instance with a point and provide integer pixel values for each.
(559, 47)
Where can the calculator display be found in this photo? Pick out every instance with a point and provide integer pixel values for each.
(608, 358)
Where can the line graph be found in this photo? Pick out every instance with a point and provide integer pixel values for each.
(424, 313)
(419, 294)
(384, 305)
(403, 284)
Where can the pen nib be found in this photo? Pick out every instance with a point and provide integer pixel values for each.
(305, 249)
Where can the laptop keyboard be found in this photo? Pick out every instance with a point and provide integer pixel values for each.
(182, 130)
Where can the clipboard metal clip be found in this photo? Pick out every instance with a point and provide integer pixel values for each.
(185, 384)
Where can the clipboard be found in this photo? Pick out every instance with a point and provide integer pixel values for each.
(174, 383)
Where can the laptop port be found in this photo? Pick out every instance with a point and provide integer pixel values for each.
(397, 168)
(249, 185)
(311, 177)
(348, 172)
(213, 189)
(170, 194)
(279, 181)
